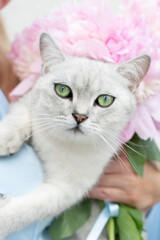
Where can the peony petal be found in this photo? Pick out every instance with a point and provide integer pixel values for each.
(36, 67)
(153, 106)
(144, 125)
(22, 88)
(91, 47)
(128, 132)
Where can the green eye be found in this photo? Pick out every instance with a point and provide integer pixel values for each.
(105, 100)
(63, 91)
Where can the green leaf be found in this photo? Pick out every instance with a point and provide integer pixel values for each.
(137, 154)
(152, 150)
(136, 215)
(100, 202)
(126, 226)
(71, 220)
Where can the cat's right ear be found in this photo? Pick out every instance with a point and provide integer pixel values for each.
(135, 70)
(50, 52)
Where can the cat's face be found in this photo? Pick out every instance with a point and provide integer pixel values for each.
(83, 99)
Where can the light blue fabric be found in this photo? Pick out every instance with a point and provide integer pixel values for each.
(153, 223)
(19, 174)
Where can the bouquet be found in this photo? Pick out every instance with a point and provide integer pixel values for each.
(92, 29)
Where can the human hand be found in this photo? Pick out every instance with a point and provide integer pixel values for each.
(3, 3)
(120, 183)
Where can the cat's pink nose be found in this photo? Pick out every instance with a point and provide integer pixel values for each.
(79, 117)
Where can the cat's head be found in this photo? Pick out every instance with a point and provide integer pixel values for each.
(80, 98)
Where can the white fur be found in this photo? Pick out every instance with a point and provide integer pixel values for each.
(72, 161)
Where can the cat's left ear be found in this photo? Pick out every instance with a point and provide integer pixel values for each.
(50, 52)
(135, 70)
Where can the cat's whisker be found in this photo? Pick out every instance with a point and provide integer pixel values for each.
(134, 144)
(47, 134)
(40, 130)
(125, 144)
(47, 118)
(39, 122)
(50, 132)
(51, 115)
(123, 140)
(130, 159)
(18, 117)
(35, 125)
(124, 152)
(51, 123)
(118, 144)
(42, 127)
(109, 145)
(119, 158)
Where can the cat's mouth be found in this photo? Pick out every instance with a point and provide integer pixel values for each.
(76, 129)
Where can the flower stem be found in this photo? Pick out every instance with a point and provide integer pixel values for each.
(111, 229)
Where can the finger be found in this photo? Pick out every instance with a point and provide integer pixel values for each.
(121, 181)
(110, 194)
(3, 3)
(119, 166)
(120, 196)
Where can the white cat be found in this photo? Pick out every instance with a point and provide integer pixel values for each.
(74, 115)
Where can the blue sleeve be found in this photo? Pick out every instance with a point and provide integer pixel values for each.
(20, 174)
(153, 223)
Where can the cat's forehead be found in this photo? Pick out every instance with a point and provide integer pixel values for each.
(84, 74)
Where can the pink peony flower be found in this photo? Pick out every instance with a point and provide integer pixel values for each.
(145, 122)
(92, 29)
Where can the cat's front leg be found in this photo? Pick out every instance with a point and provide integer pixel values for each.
(14, 129)
(46, 201)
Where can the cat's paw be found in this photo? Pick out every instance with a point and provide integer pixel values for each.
(9, 219)
(10, 141)
(6, 217)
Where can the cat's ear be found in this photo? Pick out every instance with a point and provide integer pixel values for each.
(50, 52)
(135, 70)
